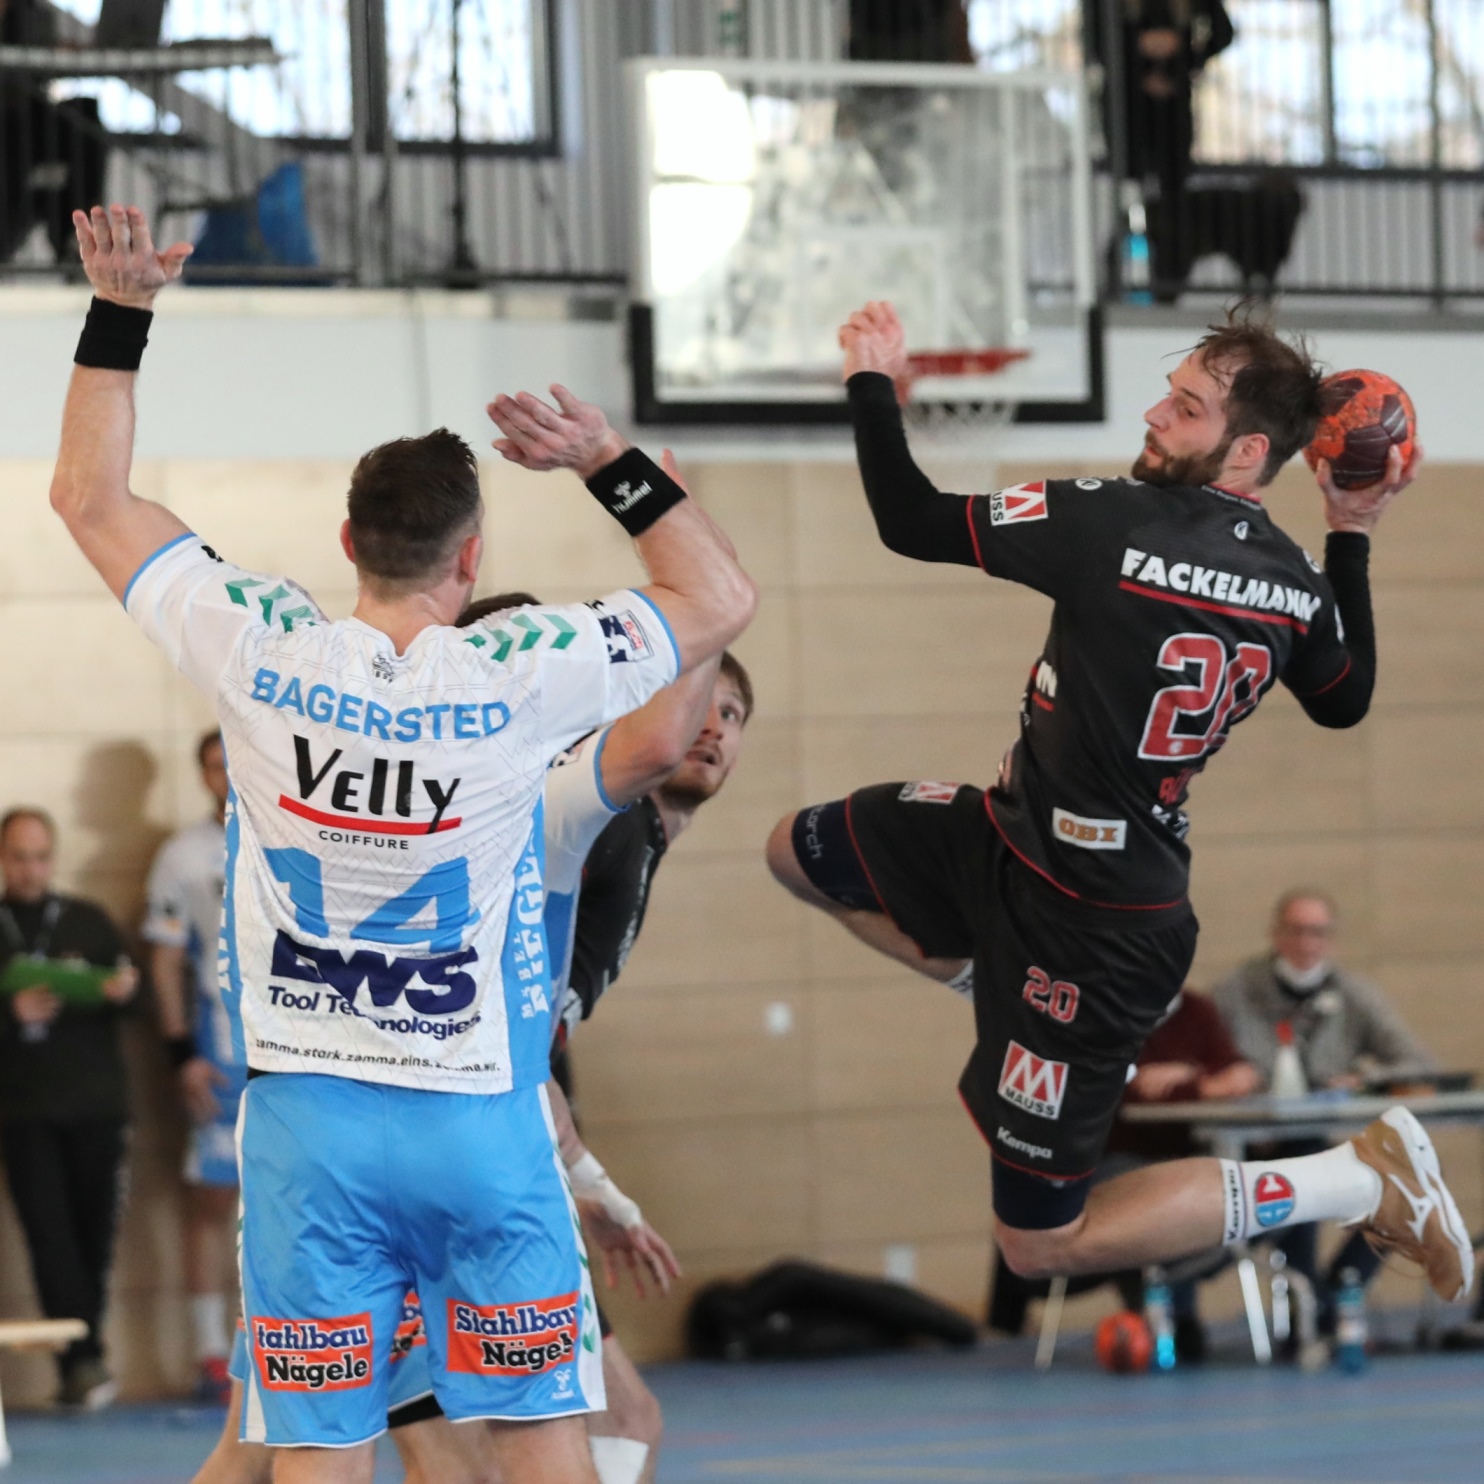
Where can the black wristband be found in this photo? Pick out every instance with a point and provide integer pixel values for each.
(180, 1050)
(114, 337)
(635, 491)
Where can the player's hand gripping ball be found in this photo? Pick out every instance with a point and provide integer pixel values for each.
(1124, 1343)
(1365, 415)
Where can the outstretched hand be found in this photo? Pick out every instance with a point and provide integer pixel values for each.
(873, 340)
(1360, 510)
(639, 1248)
(119, 256)
(572, 435)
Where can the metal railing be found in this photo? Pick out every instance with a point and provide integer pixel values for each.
(1337, 146)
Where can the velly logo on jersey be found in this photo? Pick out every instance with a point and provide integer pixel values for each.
(1033, 1083)
(313, 1354)
(1272, 1199)
(929, 793)
(1019, 502)
(411, 1332)
(512, 1339)
(363, 801)
(625, 636)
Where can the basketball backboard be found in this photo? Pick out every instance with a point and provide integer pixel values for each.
(772, 198)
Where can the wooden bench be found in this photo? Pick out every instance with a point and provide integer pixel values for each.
(34, 1334)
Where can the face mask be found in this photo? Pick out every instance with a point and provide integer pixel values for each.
(1301, 981)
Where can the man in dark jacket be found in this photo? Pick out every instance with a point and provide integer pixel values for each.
(63, 1110)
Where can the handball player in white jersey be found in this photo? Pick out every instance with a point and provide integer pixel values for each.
(383, 911)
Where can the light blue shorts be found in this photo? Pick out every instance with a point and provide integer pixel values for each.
(211, 1151)
(352, 1194)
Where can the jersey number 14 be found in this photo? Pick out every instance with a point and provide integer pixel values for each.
(1226, 688)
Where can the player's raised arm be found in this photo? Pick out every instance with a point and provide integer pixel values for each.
(913, 517)
(1334, 674)
(695, 579)
(116, 530)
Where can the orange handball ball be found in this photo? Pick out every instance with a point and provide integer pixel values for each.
(1365, 415)
(1124, 1343)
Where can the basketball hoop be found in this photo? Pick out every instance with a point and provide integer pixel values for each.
(966, 412)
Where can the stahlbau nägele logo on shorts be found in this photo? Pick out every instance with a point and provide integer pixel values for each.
(313, 1354)
(521, 1339)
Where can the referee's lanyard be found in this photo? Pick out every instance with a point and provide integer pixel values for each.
(32, 1032)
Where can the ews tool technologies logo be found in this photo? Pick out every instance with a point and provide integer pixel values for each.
(313, 1354)
(512, 1339)
(1033, 1083)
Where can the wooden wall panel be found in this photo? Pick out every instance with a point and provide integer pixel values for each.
(761, 1082)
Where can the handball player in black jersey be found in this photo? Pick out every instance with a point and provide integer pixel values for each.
(1060, 893)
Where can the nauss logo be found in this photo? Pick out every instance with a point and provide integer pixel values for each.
(1019, 502)
(1032, 1082)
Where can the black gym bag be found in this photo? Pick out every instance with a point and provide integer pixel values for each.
(797, 1310)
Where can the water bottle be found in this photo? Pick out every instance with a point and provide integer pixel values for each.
(1350, 1324)
(1159, 1315)
(1288, 1079)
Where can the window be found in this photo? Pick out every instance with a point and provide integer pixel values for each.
(1275, 96)
(504, 64)
(504, 56)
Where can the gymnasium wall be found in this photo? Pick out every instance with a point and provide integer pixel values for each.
(760, 1083)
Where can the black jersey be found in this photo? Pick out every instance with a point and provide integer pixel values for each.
(1176, 610)
(615, 893)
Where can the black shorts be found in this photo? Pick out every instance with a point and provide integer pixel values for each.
(1065, 993)
(425, 1408)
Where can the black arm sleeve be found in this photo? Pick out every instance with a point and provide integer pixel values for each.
(1347, 557)
(912, 517)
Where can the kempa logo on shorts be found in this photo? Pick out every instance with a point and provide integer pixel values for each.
(313, 1354)
(512, 1339)
(1089, 834)
(1019, 502)
(1033, 1083)
(1035, 1151)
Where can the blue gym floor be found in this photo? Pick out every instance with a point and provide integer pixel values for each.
(977, 1418)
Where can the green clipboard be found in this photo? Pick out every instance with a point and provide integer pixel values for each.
(69, 979)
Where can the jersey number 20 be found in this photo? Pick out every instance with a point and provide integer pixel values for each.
(1225, 690)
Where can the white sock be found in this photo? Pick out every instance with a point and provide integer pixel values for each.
(618, 1460)
(209, 1315)
(1266, 1195)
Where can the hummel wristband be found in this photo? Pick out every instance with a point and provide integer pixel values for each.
(114, 337)
(635, 491)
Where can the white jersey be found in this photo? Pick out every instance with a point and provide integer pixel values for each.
(577, 810)
(185, 911)
(384, 896)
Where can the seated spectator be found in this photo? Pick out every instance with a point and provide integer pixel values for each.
(1345, 1031)
(1190, 1057)
(63, 1109)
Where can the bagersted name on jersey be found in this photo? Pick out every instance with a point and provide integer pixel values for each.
(1232, 588)
(423, 964)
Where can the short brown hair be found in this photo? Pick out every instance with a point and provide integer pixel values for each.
(27, 811)
(1273, 388)
(208, 741)
(411, 502)
(732, 669)
(498, 603)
